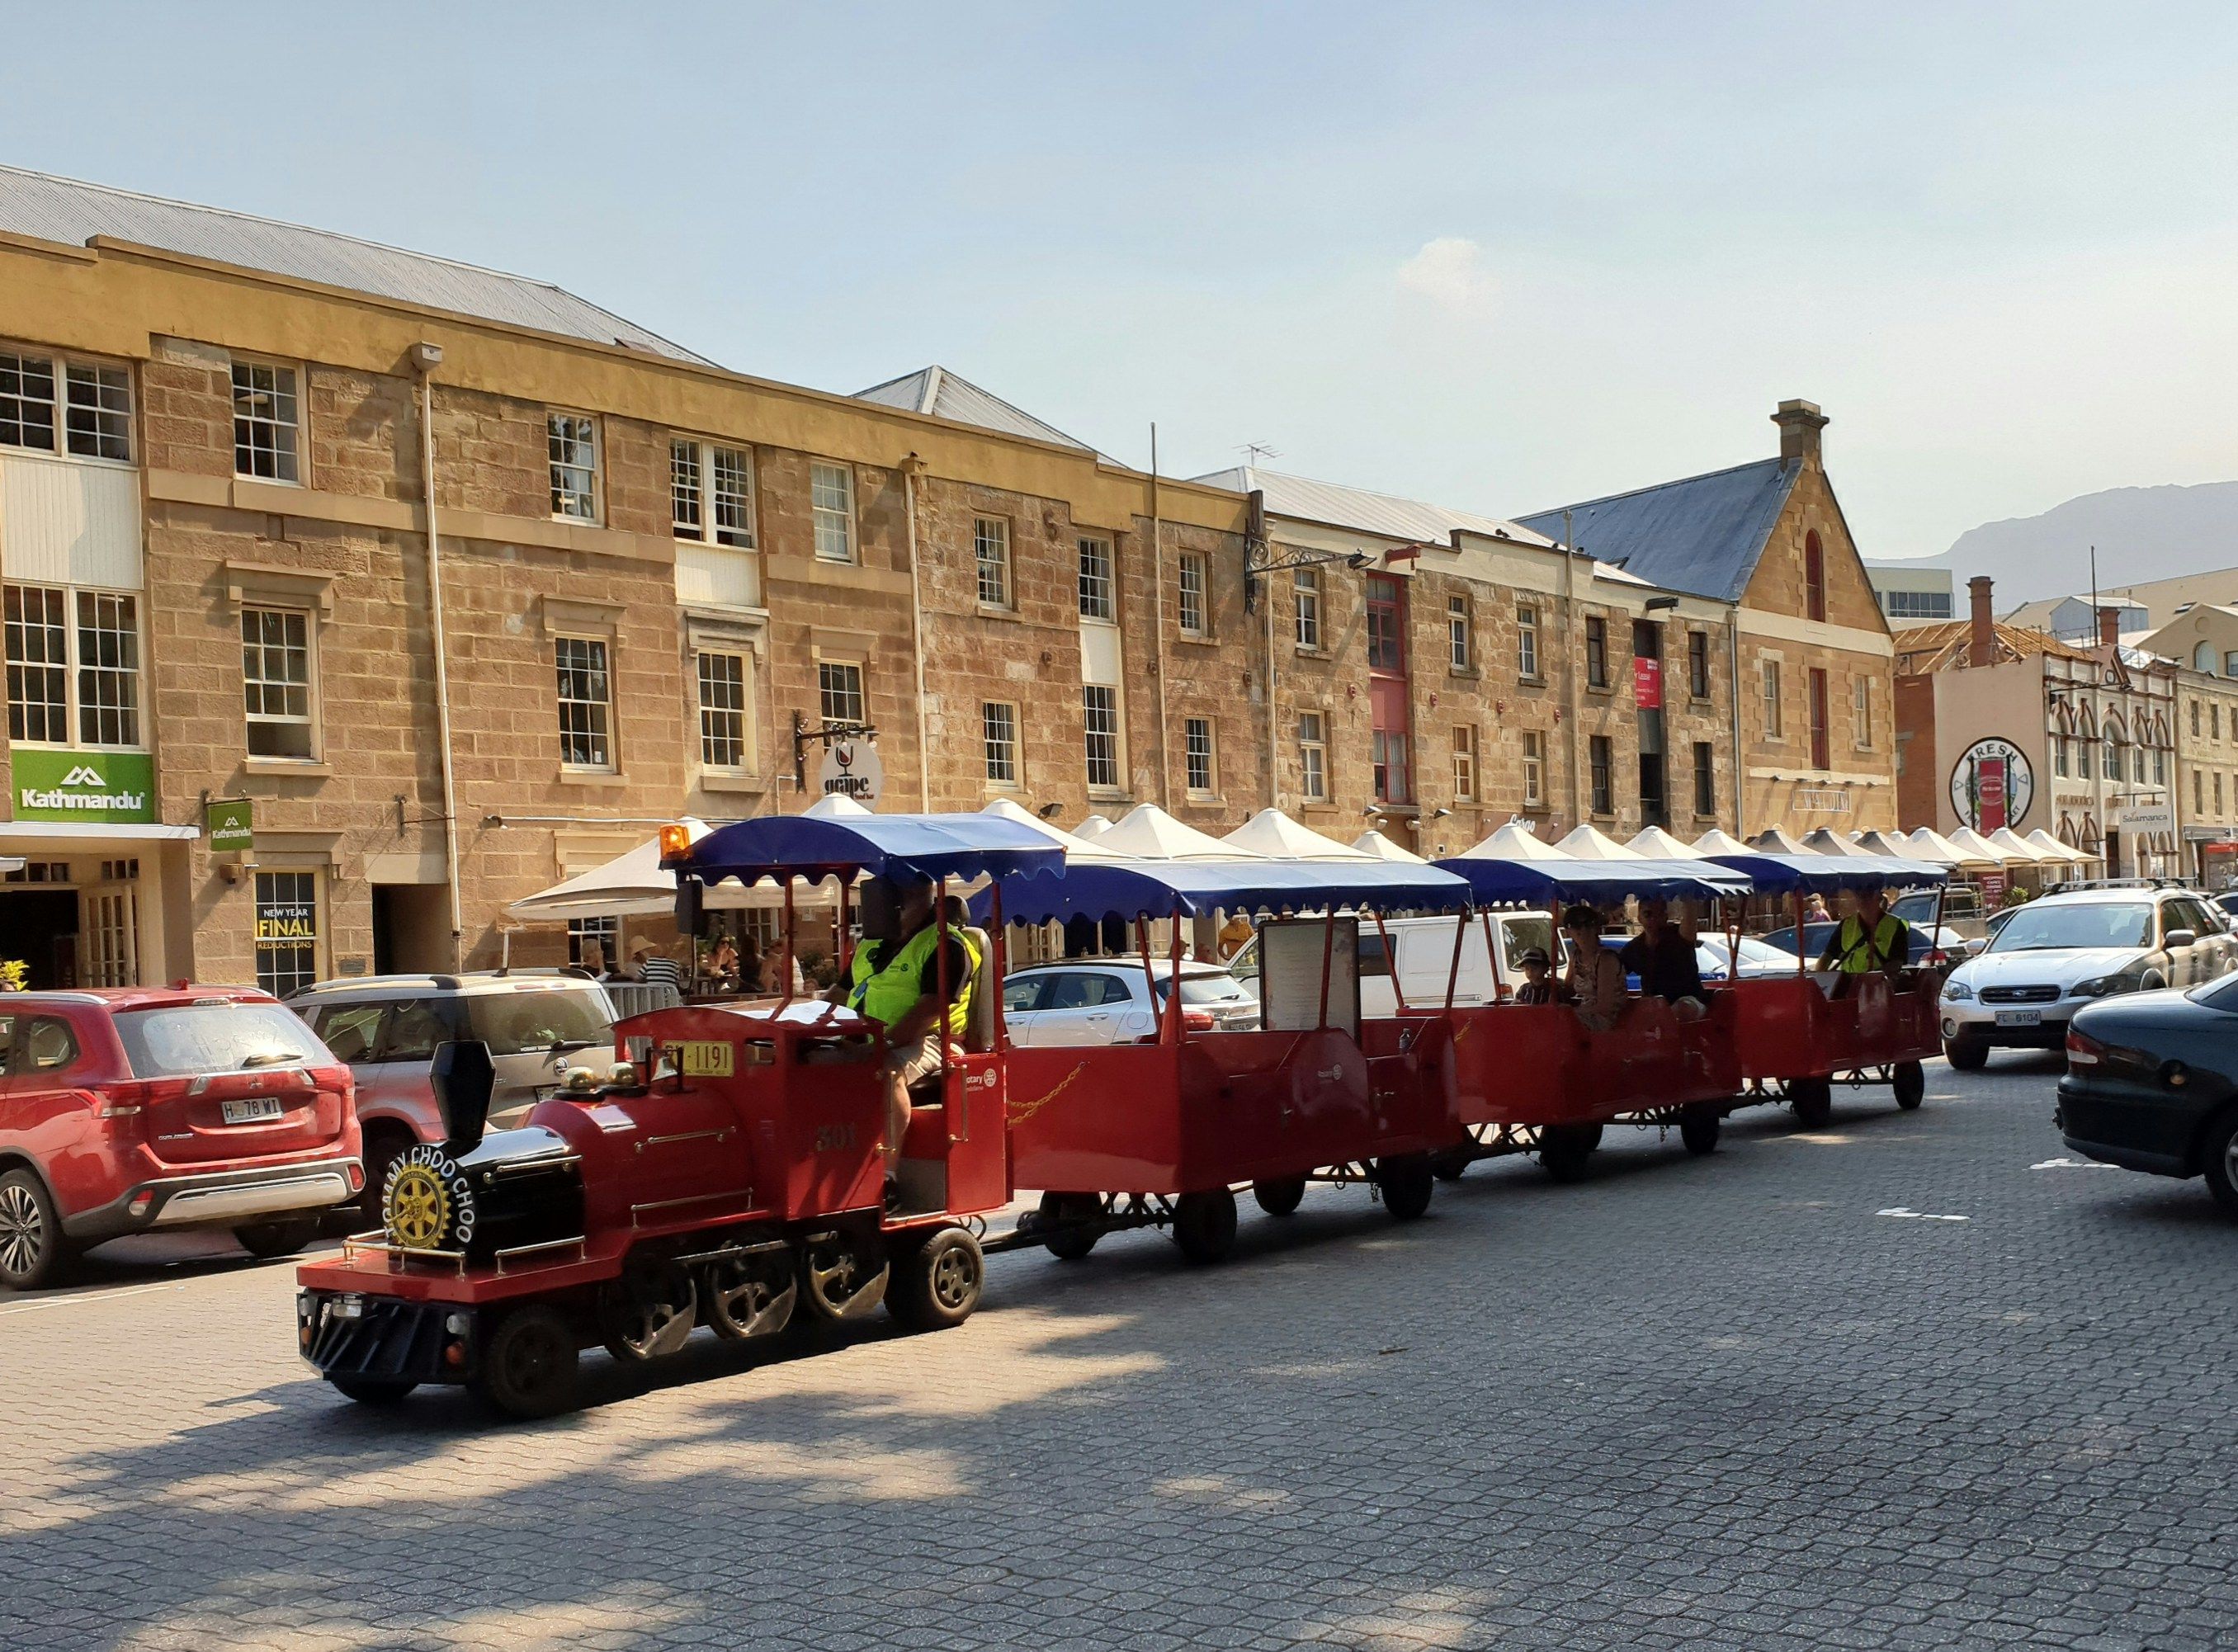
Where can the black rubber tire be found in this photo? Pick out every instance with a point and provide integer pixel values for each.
(1699, 1127)
(1967, 1054)
(1909, 1080)
(34, 1252)
(2219, 1160)
(1813, 1101)
(1566, 1151)
(268, 1241)
(1452, 1164)
(936, 1286)
(384, 1145)
(1204, 1225)
(529, 1363)
(1407, 1183)
(1065, 1209)
(371, 1391)
(1279, 1198)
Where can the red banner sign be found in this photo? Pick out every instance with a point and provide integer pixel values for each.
(1991, 779)
(1647, 683)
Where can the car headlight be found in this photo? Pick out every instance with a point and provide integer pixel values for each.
(1957, 992)
(2121, 981)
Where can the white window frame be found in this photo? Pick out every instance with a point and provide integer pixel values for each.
(998, 739)
(1092, 757)
(108, 409)
(573, 451)
(287, 382)
(74, 666)
(1192, 609)
(1526, 641)
(1099, 581)
(1861, 713)
(831, 510)
(716, 719)
(1465, 763)
(845, 683)
(1461, 644)
(1306, 590)
(599, 722)
(1200, 755)
(990, 559)
(262, 651)
(1312, 757)
(1534, 768)
(1775, 722)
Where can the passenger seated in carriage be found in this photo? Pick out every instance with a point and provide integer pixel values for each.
(1539, 986)
(1594, 980)
(1662, 956)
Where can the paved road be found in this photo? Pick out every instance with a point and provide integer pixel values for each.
(1726, 1404)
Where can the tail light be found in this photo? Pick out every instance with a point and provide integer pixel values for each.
(1197, 1020)
(137, 1096)
(1937, 959)
(2083, 1050)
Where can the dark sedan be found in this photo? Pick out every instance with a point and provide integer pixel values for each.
(2152, 1085)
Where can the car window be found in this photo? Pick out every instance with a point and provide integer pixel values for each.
(183, 1040)
(1206, 986)
(2221, 993)
(1375, 956)
(2085, 923)
(1518, 936)
(416, 1026)
(349, 1030)
(49, 1046)
(513, 1023)
(1084, 989)
(2191, 916)
(7, 1044)
(1023, 993)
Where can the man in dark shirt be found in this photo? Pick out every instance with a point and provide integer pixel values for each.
(1662, 956)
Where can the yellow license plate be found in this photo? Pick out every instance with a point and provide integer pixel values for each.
(707, 1059)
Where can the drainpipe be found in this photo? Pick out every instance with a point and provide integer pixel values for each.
(1569, 652)
(425, 358)
(1158, 623)
(910, 466)
(1740, 753)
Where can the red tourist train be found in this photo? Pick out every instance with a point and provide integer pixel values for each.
(728, 1170)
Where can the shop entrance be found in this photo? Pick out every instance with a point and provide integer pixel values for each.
(411, 929)
(40, 928)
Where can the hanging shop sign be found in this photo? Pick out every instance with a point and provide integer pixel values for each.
(89, 786)
(230, 825)
(1992, 785)
(2144, 817)
(851, 769)
(1647, 683)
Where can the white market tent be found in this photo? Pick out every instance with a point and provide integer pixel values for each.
(1773, 840)
(1093, 828)
(1274, 834)
(1074, 849)
(1514, 841)
(1376, 846)
(1587, 843)
(1927, 844)
(1827, 841)
(2017, 849)
(1717, 841)
(1977, 849)
(1894, 845)
(629, 886)
(834, 806)
(1659, 845)
(2053, 849)
(1149, 832)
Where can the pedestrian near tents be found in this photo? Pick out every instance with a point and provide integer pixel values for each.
(1815, 912)
(657, 969)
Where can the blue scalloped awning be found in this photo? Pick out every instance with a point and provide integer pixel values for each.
(780, 846)
(1193, 889)
(1824, 874)
(1537, 882)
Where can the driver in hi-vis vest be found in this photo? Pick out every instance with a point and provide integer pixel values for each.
(1870, 939)
(901, 992)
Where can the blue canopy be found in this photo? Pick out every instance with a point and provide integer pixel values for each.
(1193, 888)
(1824, 874)
(1492, 881)
(923, 846)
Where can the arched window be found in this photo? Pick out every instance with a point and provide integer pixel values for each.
(1814, 577)
(2203, 659)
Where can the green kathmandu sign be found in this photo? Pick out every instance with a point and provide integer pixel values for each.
(231, 822)
(85, 786)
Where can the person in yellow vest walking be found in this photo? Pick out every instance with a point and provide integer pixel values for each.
(1870, 938)
(904, 995)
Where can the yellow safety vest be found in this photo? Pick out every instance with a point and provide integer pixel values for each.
(892, 991)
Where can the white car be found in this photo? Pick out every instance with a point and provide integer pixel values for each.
(2061, 951)
(1107, 1001)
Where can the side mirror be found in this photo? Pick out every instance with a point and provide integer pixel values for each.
(691, 907)
(2182, 937)
(465, 1078)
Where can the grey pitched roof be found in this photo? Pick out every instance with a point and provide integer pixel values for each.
(1702, 535)
(62, 209)
(1303, 499)
(943, 394)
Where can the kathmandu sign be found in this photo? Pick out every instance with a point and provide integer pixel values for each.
(83, 786)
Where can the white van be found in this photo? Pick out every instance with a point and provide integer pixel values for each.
(1425, 960)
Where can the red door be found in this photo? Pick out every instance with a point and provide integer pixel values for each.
(1387, 689)
(1820, 757)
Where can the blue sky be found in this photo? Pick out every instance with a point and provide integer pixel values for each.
(1502, 256)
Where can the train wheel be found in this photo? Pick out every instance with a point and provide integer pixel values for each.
(1813, 1101)
(1910, 1083)
(1452, 1164)
(1566, 1149)
(1063, 1210)
(528, 1364)
(647, 1315)
(939, 1282)
(371, 1391)
(1406, 1183)
(1204, 1225)
(750, 1296)
(1698, 1127)
(838, 1277)
(1279, 1198)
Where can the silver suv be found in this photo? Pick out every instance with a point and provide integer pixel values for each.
(2061, 951)
(537, 1023)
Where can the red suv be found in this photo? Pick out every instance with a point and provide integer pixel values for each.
(144, 1108)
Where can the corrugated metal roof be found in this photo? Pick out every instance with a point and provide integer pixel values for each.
(1703, 534)
(1303, 499)
(936, 392)
(62, 209)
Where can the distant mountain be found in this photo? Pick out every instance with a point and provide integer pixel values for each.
(2142, 533)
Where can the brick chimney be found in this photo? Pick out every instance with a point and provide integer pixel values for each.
(1982, 640)
(2109, 627)
(1799, 424)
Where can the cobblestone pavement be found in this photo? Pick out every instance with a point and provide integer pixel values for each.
(1733, 1403)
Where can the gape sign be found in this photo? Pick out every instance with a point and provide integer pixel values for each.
(851, 769)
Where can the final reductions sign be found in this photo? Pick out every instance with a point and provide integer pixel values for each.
(1992, 785)
(852, 770)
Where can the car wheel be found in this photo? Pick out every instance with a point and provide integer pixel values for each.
(1279, 1198)
(2219, 1156)
(34, 1252)
(1699, 1127)
(528, 1367)
(1406, 1183)
(1813, 1101)
(1910, 1083)
(1967, 1054)
(268, 1240)
(1204, 1225)
(939, 1285)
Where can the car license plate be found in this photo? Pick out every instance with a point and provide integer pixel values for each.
(2020, 1018)
(254, 1109)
